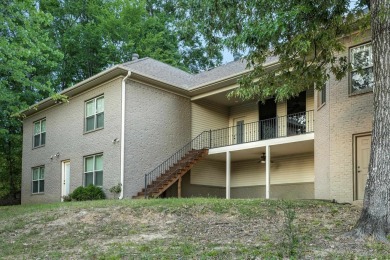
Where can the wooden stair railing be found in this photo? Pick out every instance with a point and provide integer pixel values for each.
(167, 173)
(178, 170)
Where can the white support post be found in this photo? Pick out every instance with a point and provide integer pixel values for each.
(267, 170)
(228, 169)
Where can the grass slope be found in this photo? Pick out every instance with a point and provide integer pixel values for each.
(195, 228)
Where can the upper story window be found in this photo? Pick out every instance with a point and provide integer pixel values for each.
(93, 170)
(94, 114)
(362, 74)
(322, 96)
(39, 133)
(38, 179)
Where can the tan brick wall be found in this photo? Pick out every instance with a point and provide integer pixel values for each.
(321, 147)
(65, 135)
(157, 125)
(335, 124)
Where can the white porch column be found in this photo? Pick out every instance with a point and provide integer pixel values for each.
(228, 169)
(267, 171)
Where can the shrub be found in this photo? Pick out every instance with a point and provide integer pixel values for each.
(116, 189)
(66, 198)
(88, 193)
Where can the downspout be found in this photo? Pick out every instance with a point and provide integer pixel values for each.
(123, 132)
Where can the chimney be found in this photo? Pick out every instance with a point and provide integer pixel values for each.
(135, 56)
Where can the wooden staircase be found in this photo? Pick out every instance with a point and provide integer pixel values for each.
(171, 175)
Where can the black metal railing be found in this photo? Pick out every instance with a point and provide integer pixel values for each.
(202, 141)
(283, 126)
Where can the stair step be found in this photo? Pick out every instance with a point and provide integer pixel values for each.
(169, 176)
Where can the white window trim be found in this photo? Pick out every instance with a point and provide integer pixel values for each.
(40, 133)
(93, 171)
(367, 89)
(38, 180)
(94, 115)
(321, 101)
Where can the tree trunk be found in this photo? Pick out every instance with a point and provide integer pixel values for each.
(375, 216)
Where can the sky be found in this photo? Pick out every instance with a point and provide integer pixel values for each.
(227, 56)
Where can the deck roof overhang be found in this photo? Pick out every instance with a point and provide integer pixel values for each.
(280, 147)
(216, 92)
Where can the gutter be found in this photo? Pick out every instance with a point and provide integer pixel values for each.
(123, 132)
(49, 100)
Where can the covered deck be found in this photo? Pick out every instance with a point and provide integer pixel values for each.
(256, 149)
(276, 152)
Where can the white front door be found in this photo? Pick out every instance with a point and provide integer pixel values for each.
(65, 179)
(363, 148)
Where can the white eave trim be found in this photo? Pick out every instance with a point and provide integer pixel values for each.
(263, 143)
(210, 84)
(76, 86)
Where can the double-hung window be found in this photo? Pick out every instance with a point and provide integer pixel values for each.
(93, 170)
(322, 96)
(39, 133)
(94, 113)
(362, 74)
(38, 180)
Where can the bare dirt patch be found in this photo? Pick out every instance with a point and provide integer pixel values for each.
(194, 228)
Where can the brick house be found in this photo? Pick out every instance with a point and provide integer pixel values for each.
(147, 124)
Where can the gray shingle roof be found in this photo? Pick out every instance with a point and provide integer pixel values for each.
(223, 71)
(161, 71)
(166, 73)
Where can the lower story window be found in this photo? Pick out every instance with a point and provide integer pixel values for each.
(93, 170)
(38, 179)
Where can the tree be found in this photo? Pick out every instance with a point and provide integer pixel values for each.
(96, 34)
(27, 57)
(49, 45)
(375, 216)
(306, 36)
(195, 54)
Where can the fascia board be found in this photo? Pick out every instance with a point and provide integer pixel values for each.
(220, 83)
(78, 88)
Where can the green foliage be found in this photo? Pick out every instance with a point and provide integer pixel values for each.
(305, 36)
(90, 192)
(116, 189)
(60, 98)
(291, 244)
(96, 34)
(67, 198)
(28, 57)
(49, 45)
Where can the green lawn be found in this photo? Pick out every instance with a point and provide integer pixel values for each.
(197, 228)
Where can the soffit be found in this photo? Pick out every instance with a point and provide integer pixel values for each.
(221, 98)
(281, 150)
